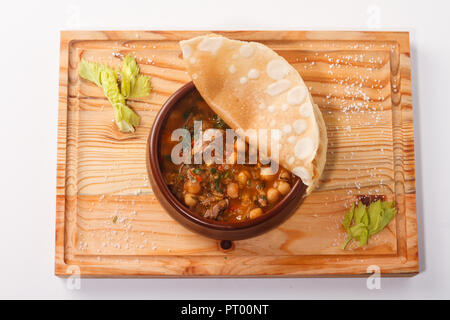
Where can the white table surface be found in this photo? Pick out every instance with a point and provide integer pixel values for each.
(29, 59)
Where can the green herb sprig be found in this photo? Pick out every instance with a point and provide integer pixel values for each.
(132, 85)
(363, 221)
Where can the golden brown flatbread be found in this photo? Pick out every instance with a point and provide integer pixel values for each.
(251, 87)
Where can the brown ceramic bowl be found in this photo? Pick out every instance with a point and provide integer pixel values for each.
(206, 227)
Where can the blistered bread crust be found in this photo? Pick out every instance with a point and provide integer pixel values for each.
(251, 87)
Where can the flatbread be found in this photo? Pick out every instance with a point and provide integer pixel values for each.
(251, 87)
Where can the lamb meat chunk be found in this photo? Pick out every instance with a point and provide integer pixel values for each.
(217, 209)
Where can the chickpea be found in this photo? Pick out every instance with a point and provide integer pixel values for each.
(284, 175)
(243, 177)
(267, 174)
(255, 213)
(273, 195)
(190, 200)
(283, 187)
(233, 190)
(192, 186)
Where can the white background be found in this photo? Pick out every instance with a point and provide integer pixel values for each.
(29, 59)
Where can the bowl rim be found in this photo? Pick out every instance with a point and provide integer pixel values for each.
(154, 169)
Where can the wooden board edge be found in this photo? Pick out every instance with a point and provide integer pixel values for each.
(412, 254)
(61, 154)
(272, 271)
(315, 276)
(402, 37)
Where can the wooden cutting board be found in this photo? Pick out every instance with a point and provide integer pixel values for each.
(360, 80)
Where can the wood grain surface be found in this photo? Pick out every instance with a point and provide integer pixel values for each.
(361, 82)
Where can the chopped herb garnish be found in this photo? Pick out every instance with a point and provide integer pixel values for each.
(217, 185)
(212, 170)
(197, 170)
(114, 219)
(220, 124)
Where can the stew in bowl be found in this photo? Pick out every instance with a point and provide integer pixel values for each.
(228, 201)
(227, 191)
